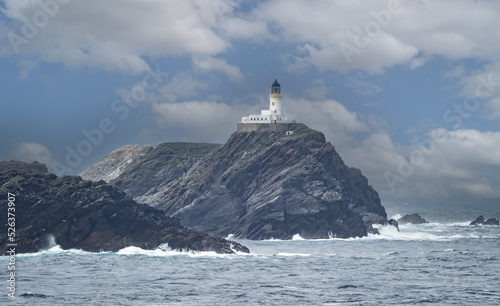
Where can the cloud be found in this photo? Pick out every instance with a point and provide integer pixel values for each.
(31, 151)
(320, 28)
(419, 61)
(454, 29)
(318, 91)
(208, 63)
(481, 90)
(471, 148)
(458, 166)
(199, 120)
(116, 35)
(123, 34)
(330, 115)
(182, 86)
(416, 32)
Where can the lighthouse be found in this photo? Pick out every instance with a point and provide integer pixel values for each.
(275, 98)
(275, 113)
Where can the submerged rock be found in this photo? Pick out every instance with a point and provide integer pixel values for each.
(412, 219)
(266, 184)
(480, 221)
(92, 216)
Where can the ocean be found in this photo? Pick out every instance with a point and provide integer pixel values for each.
(444, 262)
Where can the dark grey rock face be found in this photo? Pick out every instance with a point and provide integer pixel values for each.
(412, 219)
(141, 170)
(481, 221)
(394, 223)
(265, 184)
(115, 163)
(91, 216)
(35, 166)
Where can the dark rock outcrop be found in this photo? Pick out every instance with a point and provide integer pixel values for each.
(394, 223)
(92, 216)
(265, 184)
(481, 221)
(141, 170)
(35, 166)
(115, 163)
(412, 219)
(375, 230)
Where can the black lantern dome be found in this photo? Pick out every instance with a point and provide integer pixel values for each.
(276, 89)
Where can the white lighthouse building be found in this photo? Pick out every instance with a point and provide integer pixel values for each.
(275, 113)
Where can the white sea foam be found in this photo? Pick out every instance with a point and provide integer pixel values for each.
(53, 251)
(274, 239)
(432, 231)
(293, 254)
(396, 217)
(164, 250)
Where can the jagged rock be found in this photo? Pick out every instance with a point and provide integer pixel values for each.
(265, 184)
(394, 223)
(480, 220)
(492, 221)
(115, 163)
(146, 169)
(92, 216)
(412, 219)
(391, 222)
(22, 166)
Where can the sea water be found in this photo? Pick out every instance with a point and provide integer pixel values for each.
(444, 262)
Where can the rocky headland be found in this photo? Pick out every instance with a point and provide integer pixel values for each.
(92, 216)
(263, 184)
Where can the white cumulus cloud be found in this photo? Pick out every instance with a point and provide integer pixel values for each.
(116, 35)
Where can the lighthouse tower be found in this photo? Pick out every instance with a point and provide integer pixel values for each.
(275, 98)
(275, 113)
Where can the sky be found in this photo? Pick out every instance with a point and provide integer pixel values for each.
(406, 91)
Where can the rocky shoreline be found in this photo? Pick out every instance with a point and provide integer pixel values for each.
(91, 216)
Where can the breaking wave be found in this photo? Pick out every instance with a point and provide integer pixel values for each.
(163, 250)
(433, 231)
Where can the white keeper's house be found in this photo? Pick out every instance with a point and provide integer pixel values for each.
(275, 113)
